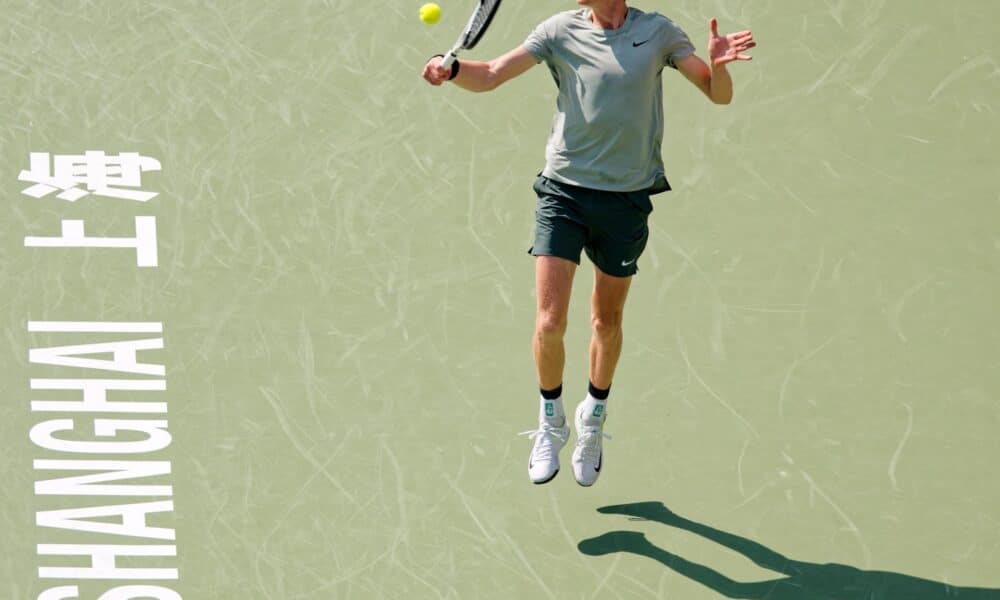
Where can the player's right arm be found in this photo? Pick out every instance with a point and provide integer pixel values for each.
(478, 76)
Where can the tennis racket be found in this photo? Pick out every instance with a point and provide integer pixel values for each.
(474, 30)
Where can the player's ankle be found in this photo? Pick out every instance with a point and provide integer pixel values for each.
(551, 408)
(598, 393)
(592, 410)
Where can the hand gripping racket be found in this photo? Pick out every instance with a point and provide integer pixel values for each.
(474, 30)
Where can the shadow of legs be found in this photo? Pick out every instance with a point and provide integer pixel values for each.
(761, 555)
(634, 542)
(804, 581)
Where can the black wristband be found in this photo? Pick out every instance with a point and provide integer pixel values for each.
(454, 66)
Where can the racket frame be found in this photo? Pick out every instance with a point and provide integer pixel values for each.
(463, 42)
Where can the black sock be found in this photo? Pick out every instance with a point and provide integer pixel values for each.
(597, 392)
(552, 394)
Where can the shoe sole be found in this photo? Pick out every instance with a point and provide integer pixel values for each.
(546, 480)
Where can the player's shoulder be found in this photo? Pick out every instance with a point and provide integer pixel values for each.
(655, 20)
(657, 25)
(565, 20)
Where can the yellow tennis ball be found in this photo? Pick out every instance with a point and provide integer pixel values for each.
(430, 13)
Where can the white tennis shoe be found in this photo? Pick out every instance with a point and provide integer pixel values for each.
(588, 455)
(543, 462)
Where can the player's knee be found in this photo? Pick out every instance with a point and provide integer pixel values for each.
(607, 324)
(550, 325)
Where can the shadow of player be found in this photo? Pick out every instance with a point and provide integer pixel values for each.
(802, 581)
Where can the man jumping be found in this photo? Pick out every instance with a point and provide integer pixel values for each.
(603, 162)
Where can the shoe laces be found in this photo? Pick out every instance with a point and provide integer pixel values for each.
(589, 442)
(543, 439)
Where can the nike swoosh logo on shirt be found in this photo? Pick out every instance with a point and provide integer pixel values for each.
(637, 44)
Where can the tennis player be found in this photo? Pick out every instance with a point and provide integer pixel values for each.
(603, 162)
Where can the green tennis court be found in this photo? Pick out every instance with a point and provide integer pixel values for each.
(299, 368)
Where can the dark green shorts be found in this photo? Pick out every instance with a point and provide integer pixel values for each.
(610, 226)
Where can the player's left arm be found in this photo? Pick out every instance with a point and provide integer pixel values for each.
(713, 78)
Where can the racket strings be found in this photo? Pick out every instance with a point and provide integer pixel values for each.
(483, 14)
(480, 21)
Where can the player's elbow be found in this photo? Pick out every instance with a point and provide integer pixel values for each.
(492, 80)
(720, 97)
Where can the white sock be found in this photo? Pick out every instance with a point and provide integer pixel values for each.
(592, 410)
(552, 411)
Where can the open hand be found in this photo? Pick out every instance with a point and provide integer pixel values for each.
(723, 50)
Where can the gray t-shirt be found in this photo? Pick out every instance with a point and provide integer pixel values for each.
(608, 126)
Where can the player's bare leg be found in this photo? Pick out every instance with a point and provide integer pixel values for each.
(554, 282)
(607, 305)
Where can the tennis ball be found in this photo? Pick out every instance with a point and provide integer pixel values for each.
(430, 13)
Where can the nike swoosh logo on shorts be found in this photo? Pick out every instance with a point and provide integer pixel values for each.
(626, 263)
(637, 44)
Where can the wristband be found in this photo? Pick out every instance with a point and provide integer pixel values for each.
(454, 67)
